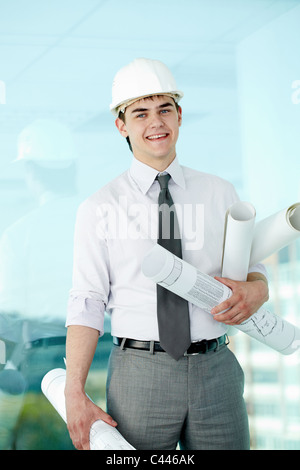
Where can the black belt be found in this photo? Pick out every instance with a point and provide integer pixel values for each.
(200, 347)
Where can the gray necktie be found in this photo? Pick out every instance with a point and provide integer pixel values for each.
(172, 310)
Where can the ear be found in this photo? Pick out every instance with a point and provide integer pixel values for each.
(179, 116)
(121, 126)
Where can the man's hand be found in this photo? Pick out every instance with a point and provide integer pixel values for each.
(81, 411)
(247, 297)
(81, 414)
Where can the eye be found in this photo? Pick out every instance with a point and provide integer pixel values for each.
(165, 111)
(141, 115)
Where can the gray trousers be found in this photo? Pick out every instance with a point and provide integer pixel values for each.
(159, 402)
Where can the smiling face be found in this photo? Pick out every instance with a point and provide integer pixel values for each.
(152, 125)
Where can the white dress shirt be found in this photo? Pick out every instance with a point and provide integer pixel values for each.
(118, 225)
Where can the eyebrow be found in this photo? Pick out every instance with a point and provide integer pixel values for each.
(141, 110)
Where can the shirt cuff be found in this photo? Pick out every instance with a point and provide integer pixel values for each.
(259, 268)
(83, 311)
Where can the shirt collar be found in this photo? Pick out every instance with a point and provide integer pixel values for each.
(144, 175)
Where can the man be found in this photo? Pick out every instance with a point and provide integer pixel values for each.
(155, 400)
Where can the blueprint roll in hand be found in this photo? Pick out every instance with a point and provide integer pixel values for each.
(102, 435)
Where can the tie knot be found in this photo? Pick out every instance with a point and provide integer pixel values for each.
(163, 180)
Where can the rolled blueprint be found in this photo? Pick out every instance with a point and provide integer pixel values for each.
(238, 244)
(102, 435)
(238, 235)
(180, 277)
(275, 232)
(202, 290)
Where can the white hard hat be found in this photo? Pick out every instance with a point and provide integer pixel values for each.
(48, 143)
(139, 79)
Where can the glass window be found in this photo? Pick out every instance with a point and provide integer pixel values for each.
(237, 65)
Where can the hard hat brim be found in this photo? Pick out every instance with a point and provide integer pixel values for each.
(116, 108)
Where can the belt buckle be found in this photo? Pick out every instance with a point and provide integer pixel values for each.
(186, 354)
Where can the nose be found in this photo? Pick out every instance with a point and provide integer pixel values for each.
(156, 121)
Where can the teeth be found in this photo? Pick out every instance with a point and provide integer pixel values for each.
(156, 136)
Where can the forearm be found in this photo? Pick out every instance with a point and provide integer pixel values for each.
(80, 349)
(256, 276)
(261, 284)
(81, 411)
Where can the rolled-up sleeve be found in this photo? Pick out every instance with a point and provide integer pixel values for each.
(90, 288)
(259, 268)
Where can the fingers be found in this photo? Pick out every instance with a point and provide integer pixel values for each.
(229, 303)
(234, 310)
(79, 426)
(231, 317)
(79, 435)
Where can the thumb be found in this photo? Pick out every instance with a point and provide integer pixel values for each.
(108, 419)
(227, 282)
